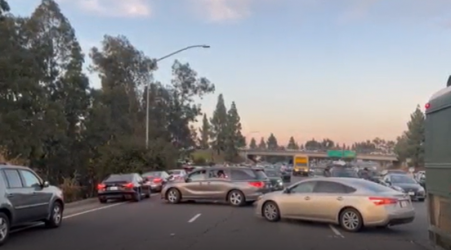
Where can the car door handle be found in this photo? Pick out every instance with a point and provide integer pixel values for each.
(307, 198)
(340, 198)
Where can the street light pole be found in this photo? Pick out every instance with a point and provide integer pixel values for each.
(148, 86)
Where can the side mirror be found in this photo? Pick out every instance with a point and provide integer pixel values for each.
(45, 184)
(187, 179)
(286, 190)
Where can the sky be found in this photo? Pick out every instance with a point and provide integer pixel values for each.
(348, 70)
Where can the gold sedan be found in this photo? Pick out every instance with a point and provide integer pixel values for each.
(349, 202)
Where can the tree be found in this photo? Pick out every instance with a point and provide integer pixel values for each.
(219, 126)
(54, 122)
(205, 133)
(4, 7)
(272, 142)
(312, 145)
(415, 137)
(253, 143)
(262, 144)
(292, 144)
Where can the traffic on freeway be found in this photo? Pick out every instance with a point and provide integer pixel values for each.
(157, 224)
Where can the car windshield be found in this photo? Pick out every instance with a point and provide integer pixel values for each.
(371, 186)
(153, 174)
(401, 178)
(119, 178)
(344, 172)
(271, 173)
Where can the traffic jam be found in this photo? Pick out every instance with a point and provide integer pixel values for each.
(335, 198)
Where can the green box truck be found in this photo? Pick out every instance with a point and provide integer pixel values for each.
(437, 146)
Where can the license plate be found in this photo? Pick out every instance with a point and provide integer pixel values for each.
(113, 188)
(404, 203)
(411, 193)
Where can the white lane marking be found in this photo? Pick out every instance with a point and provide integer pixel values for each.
(92, 210)
(335, 230)
(194, 218)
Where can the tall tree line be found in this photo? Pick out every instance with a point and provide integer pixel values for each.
(222, 132)
(409, 145)
(52, 120)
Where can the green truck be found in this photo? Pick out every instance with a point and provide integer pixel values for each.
(437, 146)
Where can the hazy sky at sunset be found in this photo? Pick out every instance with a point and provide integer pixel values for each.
(344, 69)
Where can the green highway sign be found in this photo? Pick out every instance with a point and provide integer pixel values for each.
(341, 154)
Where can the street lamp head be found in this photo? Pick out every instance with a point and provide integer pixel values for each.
(206, 46)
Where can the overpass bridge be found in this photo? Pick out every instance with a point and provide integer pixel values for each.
(313, 154)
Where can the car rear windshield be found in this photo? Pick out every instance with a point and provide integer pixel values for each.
(271, 173)
(121, 177)
(153, 174)
(175, 172)
(344, 172)
(371, 186)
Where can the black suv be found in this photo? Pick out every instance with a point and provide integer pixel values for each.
(25, 198)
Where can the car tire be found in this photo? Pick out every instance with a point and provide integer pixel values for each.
(173, 196)
(421, 200)
(236, 198)
(270, 211)
(148, 193)
(5, 226)
(56, 215)
(351, 220)
(137, 197)
(103, 201)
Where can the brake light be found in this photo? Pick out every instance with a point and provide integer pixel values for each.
(101, 186)
(427, 105)
(257, 184)
(383, 201)
(129, 185)
(157, 180)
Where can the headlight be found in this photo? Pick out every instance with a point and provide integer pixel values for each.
(398, 189)
(421, 189)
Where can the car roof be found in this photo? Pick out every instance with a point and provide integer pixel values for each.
(6, 165)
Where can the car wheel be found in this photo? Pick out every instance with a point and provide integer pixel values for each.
(137, 197)
(4, 228)
(101, 200)
(56, 215)
(270, 211)
(236, 198)
(173, 196)
(148, 193)
(351, 220)
(421, 200)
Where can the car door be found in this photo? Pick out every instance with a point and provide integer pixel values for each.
(296, 200)
(217, 186)
(40, 196)
(328, 199)
(21, 198)
(195, 185)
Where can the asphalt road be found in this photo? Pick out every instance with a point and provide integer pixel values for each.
(153, 224)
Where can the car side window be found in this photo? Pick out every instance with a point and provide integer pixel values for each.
(302, 188)
(30, 179)
(332, 188)
(13, 178)
(198, 175)
(242, 174)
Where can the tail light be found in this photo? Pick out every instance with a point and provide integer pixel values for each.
(257, 184)
(157, 180)
(101, 186)
(129, 185)
(383, 201)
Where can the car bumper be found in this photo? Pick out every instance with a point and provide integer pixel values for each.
(156, 187)
(394, 218)
(116, 195)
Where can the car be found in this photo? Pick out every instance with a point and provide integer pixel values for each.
(123, 187)
(343, 171)
(351, 203)
(156, 179)
(275, 178)
(177, 174)
(237, 186)
(26, 198)
(406, 184)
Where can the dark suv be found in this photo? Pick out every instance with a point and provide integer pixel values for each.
(25, 198)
